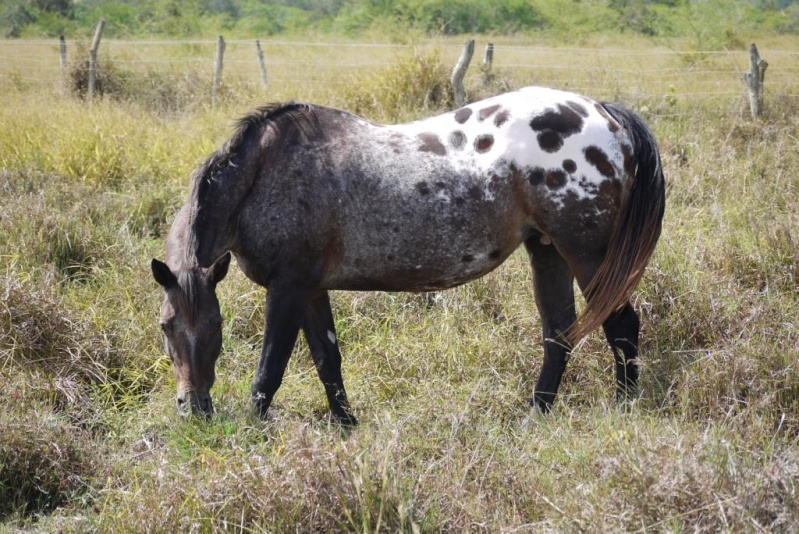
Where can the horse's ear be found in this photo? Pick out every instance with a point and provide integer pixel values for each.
(219, 269)
(163, 274)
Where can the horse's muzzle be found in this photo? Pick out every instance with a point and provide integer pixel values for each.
(193, 403)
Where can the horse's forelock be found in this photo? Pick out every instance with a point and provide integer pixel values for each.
(189, 301)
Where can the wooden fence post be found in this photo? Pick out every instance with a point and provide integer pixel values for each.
(754, 81)
(220, 53)
(62, 49)
(460, 71)
(261, 64)
(488, 62)
(98, 34)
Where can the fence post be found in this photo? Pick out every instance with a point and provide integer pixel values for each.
(98, 34)
(220, 53)
(754, 81)
(261, 64)
(62, 49)
(488, 62)
(460, 71)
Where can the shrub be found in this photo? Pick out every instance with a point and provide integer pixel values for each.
(447, 17)
(416, 83)
(41, 468)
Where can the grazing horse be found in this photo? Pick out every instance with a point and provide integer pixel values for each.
(311, 199)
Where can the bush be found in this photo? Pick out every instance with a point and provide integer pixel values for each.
(444, 16)
(108, 78)
(419, 82)
(161, 92)
(41, 468)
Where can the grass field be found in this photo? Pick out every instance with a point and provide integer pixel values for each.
(89, 435)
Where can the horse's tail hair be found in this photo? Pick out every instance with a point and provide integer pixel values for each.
(635, 234)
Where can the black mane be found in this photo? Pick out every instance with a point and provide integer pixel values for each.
(249, 125)
(259, 116)
(245, 127)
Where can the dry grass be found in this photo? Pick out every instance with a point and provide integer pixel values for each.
(89, 440)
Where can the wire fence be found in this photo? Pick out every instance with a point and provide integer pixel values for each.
(293, 68)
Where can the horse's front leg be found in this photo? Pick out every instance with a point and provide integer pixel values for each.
(320, 332)
(285, 308)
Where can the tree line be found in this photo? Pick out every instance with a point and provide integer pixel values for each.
(130, 18)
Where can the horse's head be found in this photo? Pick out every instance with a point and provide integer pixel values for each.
(192, 326)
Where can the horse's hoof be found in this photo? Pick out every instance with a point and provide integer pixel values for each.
(540, 404)
(346, 420)
(260, 405)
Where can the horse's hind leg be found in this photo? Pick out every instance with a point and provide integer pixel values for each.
(554, 296)
(320, 332)
(285, 309)
(621, 331)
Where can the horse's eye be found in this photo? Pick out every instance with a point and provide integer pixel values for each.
(165, 327)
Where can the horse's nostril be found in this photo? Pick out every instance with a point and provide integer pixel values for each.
(206, 405)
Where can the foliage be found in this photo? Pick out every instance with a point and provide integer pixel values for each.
(418, 82)
(40, 468)
(249, 18)
(444, 16)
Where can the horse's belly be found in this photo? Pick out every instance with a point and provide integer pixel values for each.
(420, 261)
(407, 278)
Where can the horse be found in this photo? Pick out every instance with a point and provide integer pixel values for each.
(311, 199)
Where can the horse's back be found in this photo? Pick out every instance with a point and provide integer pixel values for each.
(441, 201)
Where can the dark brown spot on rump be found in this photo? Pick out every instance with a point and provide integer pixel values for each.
(462, 115)
(457, 139)
(536, 176)
(467, 258)
(483, 143)
(487, 112)
(501, 118)
(564, 120)
(569, 166)
(495, 254)
(556, 179)
(550, 141)
(423, 188)
(597, 157)
(431, 143)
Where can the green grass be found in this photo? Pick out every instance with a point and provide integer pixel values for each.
(90, 439)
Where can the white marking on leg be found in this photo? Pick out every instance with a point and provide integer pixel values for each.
(331, 336)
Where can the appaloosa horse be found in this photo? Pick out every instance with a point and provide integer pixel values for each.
(311, 198)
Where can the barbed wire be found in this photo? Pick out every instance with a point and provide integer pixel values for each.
(333, 44)
(673, 71)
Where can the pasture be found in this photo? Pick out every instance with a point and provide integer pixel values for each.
(89, 435)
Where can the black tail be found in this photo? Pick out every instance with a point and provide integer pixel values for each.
(636, 232)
